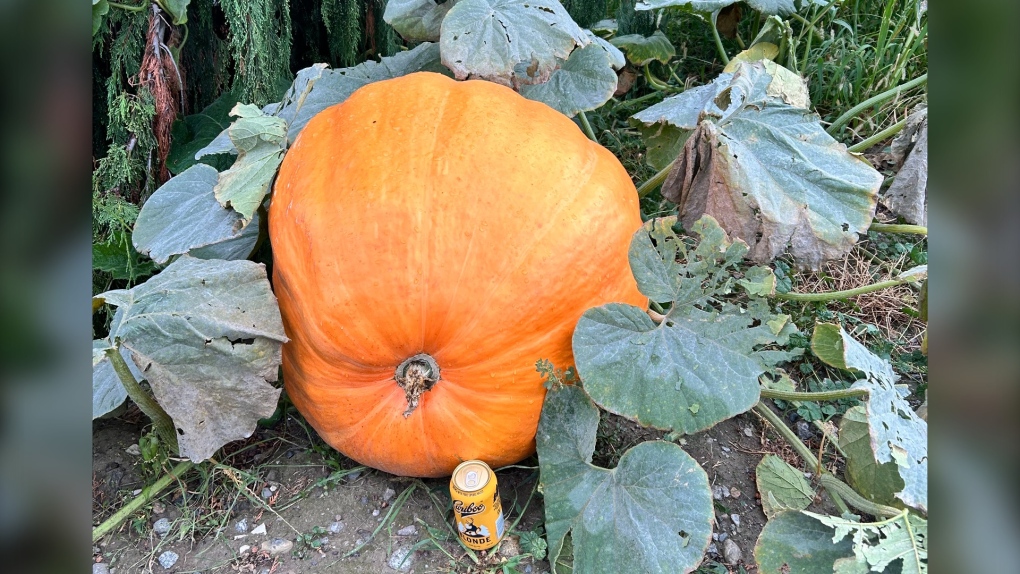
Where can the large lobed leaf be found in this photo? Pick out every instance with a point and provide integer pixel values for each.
(108, 392)
(260, 141)
(769, 173)
(641, 50)
(417, 20)
(652, 513)
(584, 82)
(207, 336)
(876, 482)
(183, 216)
(512, 42)
(897, 544)
(794, 543)
(783, 7)
(781, 486)
(897, 433)
(701, 363)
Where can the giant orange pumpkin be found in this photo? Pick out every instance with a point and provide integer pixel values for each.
(432, 240)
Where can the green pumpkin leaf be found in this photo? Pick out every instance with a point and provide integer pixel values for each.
(208, 336)
(901, 541)
(584, 82)
(177, 9)
(876, 482)
(641, 50)
(196, 132)
(100, 8)
(781, 486)
(652, 513)
(897, 433)
(118, 257)
(703, 352)
(260, 142)
(783, 7)
(183, 215)
(417, 20)
(512, 42)
(792, 543)
(768, 172)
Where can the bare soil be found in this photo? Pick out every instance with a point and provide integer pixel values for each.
(311, 487)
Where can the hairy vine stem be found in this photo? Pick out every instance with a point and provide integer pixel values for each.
(146, 495)
(844, 294)
(655, 181)
(586, 127)
(874, 100)
(898, 228)
(161, 421)
(814, 396)
(878, 137)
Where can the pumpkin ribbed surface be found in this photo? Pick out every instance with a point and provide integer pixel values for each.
(453, 219)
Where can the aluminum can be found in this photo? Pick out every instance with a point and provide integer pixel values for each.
(477, 509)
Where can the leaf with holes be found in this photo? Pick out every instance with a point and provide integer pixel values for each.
(783, 7)
(584, 82)
(417, 20)
(207, 335)
(652, 513)
(897, 433)
(183, 215)
(641, 50)
(781, 486)
(512, 42)
(876, 482)
(877, 546)
(699, 365)
(771, 176)
(793, 543)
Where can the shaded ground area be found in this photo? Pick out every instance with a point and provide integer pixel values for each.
(283, 502)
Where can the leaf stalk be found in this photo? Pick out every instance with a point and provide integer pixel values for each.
(161, 421)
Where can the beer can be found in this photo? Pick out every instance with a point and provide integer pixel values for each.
(477, 510)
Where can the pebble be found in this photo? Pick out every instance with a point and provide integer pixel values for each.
(731, 553)
(244, 548)
(748, 432)
(723, 536)
(408, 531)
(375, 512)
(277, 546)
(720, 492)
(134, 450)
(401, 559)
(100, 568)
(168, 559)
(335, 527)
(266, 493)
(161, 527)
(390, 493)
(242, 526)
(353, 476)
(364, 501)
(804, 430)
(734, 493)
(510, 547)
(158, 508)
(713, 549)
(726, 449)
(715, 536)
(736, 520)
(272, 476)
(338, 517)
(273, 488)
(260, 529)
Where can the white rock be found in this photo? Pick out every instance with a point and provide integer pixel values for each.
(260, 529)
(731, 552)
(244, 548)
(277, 546)
(390, 493)
(401, 559)
(408, 531)
(134, 450)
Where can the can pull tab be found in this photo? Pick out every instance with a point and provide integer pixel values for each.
(471, 479)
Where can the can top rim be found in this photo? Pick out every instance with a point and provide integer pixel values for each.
(463, 479)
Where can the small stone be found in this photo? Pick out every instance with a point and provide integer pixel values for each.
(736, 520)
(338, 517)
(267, 493)
(720, 492)
(273, 488)
(715, 536)
(260, 529)
(390, 493)
(734, 493)
(726, 449)
(731, 553)
(100, 568)
(353, 476)
(244, 548)
(713, 549)
(804, 430)
(158, 508)
(510, 547)
(335, 527)
(136, 492)
(272, 476)
(241, 526)
(134, 450)
(408, 531)
(277, 546)
(748, 432)
(722, 537)
(401, 559)
(364, 501)
(168, 559)
(161, 527)
(375, 512)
